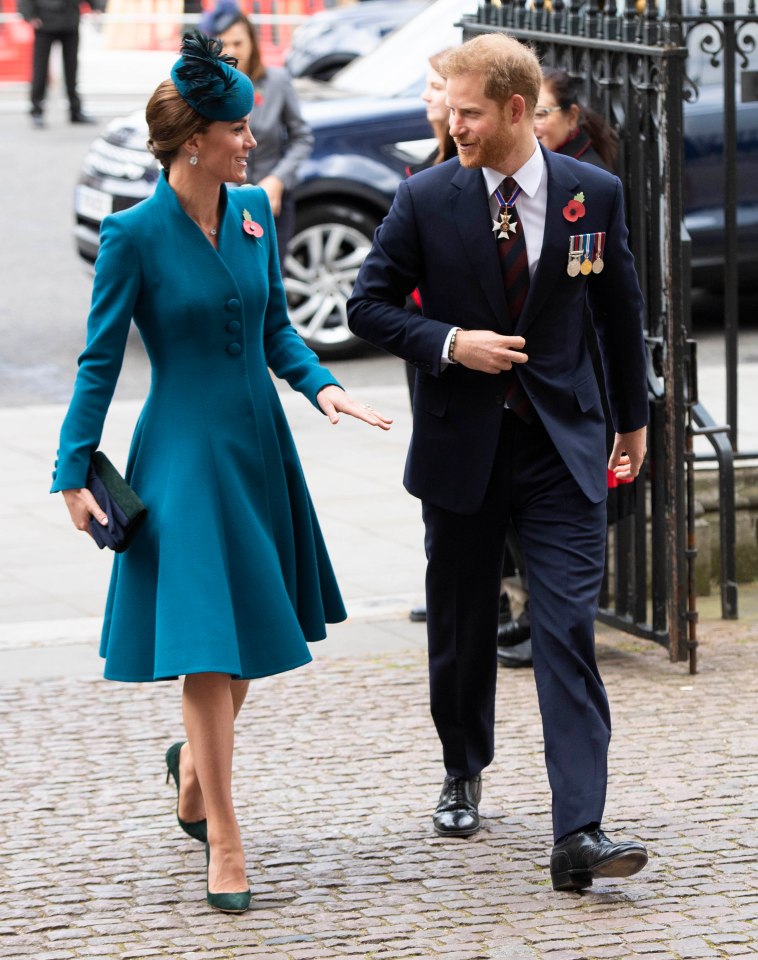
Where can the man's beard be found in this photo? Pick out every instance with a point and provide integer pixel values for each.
(491, 152)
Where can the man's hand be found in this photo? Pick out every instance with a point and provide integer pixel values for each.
(628, 453)
(487, 351)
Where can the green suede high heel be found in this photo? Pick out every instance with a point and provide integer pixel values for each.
(197, 829)
(225, 902)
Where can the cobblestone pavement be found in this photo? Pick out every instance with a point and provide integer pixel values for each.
(337, 772)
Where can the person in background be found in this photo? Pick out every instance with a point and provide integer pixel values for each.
(228, 578)
(564, 125)
(55, 20)
(284, 138)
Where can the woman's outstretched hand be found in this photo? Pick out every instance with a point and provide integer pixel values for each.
(334, 401)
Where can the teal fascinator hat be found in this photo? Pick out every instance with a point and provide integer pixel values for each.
(208, 80)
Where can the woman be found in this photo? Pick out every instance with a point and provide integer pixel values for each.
(283, 137)
(438, 115)
(564, 125)
(229, 577)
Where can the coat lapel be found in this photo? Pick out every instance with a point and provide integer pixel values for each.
(562, 185)
(471, 214)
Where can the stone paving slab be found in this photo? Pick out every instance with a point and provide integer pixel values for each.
(338, 768)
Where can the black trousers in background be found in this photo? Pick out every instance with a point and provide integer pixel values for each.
(43, 42)
(562, 536)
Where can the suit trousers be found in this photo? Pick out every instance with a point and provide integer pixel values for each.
(43, 42)
(562, 535)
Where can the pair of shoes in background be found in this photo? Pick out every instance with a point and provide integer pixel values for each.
(418, 613)
(514, 644)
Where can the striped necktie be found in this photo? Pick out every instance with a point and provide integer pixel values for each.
(514, 265)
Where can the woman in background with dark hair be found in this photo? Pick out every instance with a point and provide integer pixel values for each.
(564, 125)
(284, 138)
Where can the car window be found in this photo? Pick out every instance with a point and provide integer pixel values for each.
(396, 67)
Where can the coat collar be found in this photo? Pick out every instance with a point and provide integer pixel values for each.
(166, 195)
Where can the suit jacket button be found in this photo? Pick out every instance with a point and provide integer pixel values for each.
(234, 326)
(232, 304)
(235, 349)
(499, 399)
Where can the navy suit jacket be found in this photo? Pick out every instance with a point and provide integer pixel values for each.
(438, 237)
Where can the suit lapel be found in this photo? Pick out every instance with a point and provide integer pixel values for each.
(471, 214)
(562, 185)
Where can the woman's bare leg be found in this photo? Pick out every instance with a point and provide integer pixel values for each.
(208, 706)
(191, 803)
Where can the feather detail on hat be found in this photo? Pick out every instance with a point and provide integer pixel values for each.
(207, 79)
(201, 71)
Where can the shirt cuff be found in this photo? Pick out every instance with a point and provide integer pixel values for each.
(446, 347)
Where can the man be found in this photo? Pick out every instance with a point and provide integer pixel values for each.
(508, 425)
(55, 20)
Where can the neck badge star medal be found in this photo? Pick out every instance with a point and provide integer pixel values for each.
(504, 227)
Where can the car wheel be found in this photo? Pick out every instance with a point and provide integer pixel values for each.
(323, 258)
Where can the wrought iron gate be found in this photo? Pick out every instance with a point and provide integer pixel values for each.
(630, 63)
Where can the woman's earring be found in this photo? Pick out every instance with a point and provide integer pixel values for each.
(193, 159)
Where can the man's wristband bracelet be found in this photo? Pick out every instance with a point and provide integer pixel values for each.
(451, 348)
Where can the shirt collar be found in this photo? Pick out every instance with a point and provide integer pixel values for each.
(528, 177)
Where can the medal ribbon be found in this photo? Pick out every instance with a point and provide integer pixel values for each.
(510, 201)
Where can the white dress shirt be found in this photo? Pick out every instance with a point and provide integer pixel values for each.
(531, 206)
(531, 203)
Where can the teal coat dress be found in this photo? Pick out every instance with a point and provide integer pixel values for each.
(229, 573)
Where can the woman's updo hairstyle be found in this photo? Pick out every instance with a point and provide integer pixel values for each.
(171, 121)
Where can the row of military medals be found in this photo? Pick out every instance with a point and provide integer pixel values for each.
(585, 254)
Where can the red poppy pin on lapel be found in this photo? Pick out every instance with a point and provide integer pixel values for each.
(574, 209)
(250, 226)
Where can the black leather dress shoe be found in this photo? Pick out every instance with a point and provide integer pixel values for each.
(581, 856)
(82, 118)
(518, 656)
(457, 813)
(510, 631)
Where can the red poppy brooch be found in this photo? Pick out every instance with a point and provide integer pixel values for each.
(574, 209)
(250, 226)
